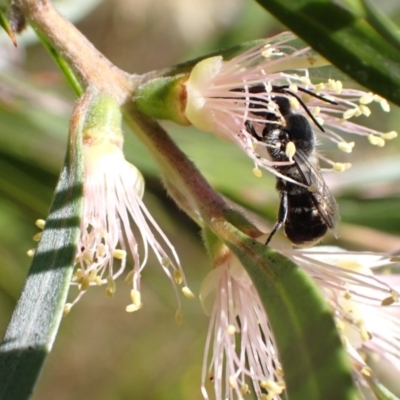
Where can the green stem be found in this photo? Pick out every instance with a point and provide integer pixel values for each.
(92, 68)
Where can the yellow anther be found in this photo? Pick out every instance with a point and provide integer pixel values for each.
(257, 172)
(188, 293)
(366, 371)
(306, 97)
(267, 51)
(319, 87)
(103, 234)
(384, 105)
(40, 223)
(178, 276)
(101, 250)
(393, 298)
(339, 87)
(264, 384)
(31, 252)
(231, 329)
(67, 309)
(98, 281)
(336, 86)
(281, 383)
(290, 150)
(376, 140)
(93, 275)
(364, 110)
(358, 111)
(330, 84)
(389, 135)
(365, 335)
(305, 80)
(132, 308)
(178, 317)
(293, 88)
(347, 295)
(232, 382)
(78, 279)
(84, 283)
(294, 103)
(119, 254)
(264, 396)
(360, 323)
(340, 325)
(37, 236)
(350, 113)
(340, 167)
(129, 277)
(320, 120)
(347, 147)
(111, 286)
(367, 98)
(279, 371)
(166, 262)
(136, 297)
(271, 386)
(316, 110)
(87, 257)
(312, 60)
(244, 389)
(387, 301)
(77, 276)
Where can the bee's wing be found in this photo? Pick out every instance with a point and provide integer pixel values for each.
(321, 195)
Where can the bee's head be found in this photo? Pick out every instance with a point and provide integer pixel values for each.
(283, 105)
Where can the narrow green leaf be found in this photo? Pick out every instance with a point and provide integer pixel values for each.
(314, 361)
(347, 40)
(5, 24)
(34, 324)
(62, 64)
(383, 25)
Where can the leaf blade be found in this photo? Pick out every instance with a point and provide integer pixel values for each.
(34, 324)
(345, 39)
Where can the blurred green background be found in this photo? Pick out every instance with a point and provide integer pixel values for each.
(102, 352)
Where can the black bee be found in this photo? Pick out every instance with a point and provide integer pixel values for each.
(307, 208)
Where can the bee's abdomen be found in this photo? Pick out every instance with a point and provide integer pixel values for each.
(304, 225)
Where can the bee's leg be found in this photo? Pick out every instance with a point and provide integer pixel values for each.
(282, 214)
(250, 128)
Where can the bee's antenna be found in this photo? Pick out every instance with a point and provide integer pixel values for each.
(306, 109)
(284, 89)
(318, 96)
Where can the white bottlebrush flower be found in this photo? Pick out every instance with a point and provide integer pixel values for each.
(115, 221)
(365, 303)
(225, 97)
(113, 205)
(240, 354)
